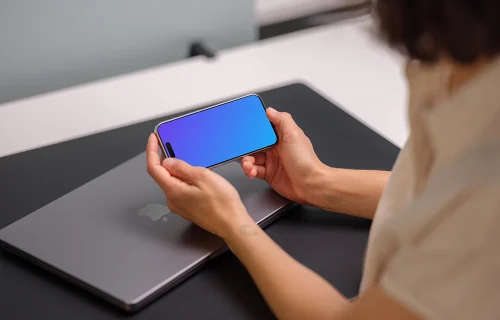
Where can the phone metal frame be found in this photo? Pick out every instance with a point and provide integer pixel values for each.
(165, 153)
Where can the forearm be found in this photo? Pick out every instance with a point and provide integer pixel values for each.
(291, 290)
(354, 192)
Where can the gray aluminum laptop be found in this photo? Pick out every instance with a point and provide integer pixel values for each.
(115, 237)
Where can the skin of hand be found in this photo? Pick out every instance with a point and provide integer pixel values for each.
(293, 170)
(197, 194)
(290, 167)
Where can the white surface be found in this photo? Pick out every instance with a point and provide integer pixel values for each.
(274, 11)
(342, 62)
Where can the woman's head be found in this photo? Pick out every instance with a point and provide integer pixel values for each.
(427, 30)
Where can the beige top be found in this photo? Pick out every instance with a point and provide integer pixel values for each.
(435, 240)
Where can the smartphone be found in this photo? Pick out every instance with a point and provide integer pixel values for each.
(219, 134)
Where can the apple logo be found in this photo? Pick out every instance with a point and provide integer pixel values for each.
(154, 211)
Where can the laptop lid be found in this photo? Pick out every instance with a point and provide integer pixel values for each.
(115, 237)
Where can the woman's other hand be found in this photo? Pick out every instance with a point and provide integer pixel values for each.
(290, 167)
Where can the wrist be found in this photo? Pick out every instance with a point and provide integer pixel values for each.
(240, 228)
(320, 191)
(232, 226)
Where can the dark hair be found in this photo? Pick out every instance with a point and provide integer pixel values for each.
(464, 30)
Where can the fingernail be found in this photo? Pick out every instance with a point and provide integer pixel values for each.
(272, 110)
(168, 162)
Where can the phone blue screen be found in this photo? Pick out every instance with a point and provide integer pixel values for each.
(219, 134)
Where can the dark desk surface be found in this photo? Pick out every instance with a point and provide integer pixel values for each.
(331, 244)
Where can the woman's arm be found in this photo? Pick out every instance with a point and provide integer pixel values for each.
(354, 192)
(290, 289)
(293, 291)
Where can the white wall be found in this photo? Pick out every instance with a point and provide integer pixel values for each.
(51, 44)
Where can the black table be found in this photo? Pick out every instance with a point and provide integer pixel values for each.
(331, 244)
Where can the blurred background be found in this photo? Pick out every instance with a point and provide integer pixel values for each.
(53, 44)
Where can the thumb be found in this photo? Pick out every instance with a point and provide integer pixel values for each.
(283, 122)
(181, 170)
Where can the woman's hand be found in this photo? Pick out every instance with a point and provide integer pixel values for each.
(197, 194)
(291, 167)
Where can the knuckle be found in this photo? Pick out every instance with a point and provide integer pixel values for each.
(149, 169)
(294, 134)
(174, 166)
(202, 173)
(287, 115)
